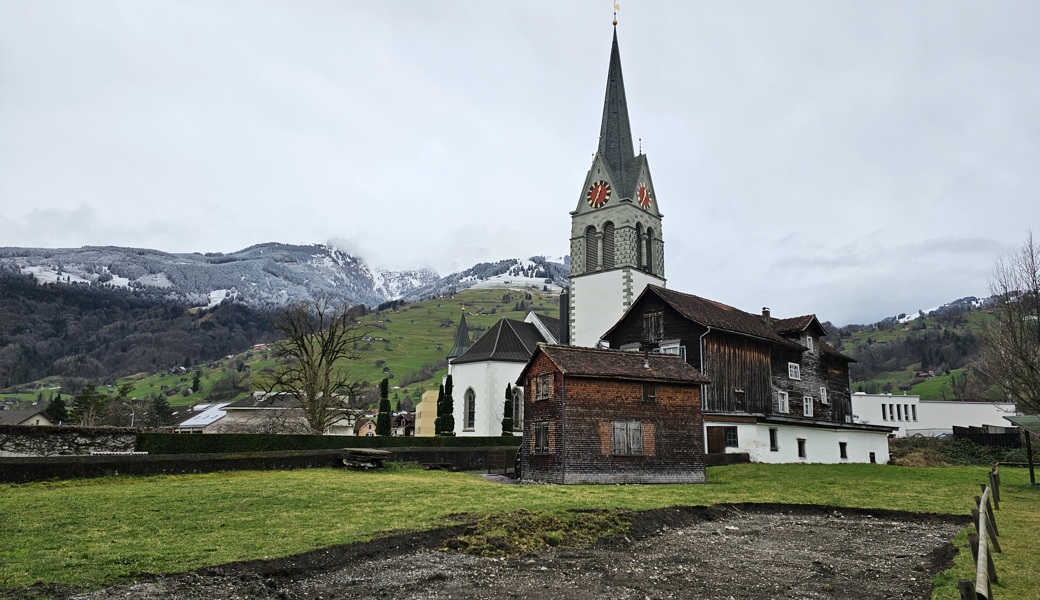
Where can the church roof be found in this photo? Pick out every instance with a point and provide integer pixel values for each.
(508, 341)
(461, 339)
(619, 364)
(615, 133)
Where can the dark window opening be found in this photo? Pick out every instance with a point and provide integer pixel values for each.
(843, 448)
(649, 392)
(774, 439)
(801, 448)
(731, 437)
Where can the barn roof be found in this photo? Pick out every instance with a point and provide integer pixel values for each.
(619, 364)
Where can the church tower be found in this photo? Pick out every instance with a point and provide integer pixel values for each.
(616, 243)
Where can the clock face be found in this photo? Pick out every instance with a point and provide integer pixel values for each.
(643, 195)
(598, 194)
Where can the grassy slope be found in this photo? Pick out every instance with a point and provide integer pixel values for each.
(416, 334)
(89, 532)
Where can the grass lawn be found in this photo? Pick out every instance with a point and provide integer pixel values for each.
(98, 531)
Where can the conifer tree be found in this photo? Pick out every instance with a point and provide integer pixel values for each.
(438, 424)
(161, 413)
(383, 420)
(507, 410)
(57, 411)
(448, 418)
(89, 405)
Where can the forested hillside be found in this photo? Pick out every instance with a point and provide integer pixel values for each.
(930, 355)
(91, 333)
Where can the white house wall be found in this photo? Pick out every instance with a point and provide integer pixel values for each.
(927, 417)
(822, 445)
(598, 301)
(488, 380)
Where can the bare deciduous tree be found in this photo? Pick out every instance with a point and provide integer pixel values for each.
(1010, 356)
(319, 339)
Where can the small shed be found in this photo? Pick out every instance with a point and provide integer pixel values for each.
(611, 416)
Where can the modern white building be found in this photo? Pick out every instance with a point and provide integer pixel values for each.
(778, 440)
(913, 416)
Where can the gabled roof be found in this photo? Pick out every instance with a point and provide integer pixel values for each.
(258, 400)
(615, 133)
(618, 364)
(203, 415)
(508, 341)
(17, 417)
(798, 325)
(830, 351)
(551, 325)
(713, 314)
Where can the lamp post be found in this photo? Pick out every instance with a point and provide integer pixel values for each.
(132, 413)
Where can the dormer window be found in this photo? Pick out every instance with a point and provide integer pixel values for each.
(794, 370)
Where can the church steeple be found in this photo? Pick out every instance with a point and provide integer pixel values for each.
(462, 342)
(615, 133)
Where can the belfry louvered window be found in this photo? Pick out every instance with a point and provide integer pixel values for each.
(649, 250)
(591, 250)
(608, 245)
(639, 245)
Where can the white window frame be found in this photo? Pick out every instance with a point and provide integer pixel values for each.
(807, 406)
(794, 370)
(672, 349)
(809, 344)
(783, 401)
(823, 396)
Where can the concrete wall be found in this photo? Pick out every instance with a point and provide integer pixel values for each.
(488, 380)
(599, 300)
(822, 444)
(927, 417)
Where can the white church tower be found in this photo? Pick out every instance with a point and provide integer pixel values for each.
(616, 243)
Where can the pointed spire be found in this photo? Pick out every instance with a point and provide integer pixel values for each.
(615, 133)
(461, 338)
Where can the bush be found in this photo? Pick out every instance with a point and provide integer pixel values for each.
(921, 451)
(180, 443)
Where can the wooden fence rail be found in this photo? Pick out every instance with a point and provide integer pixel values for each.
(984, 542)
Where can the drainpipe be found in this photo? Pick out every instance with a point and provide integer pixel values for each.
(704, 388)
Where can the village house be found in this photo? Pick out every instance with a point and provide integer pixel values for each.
(777, 392)
(607, 416)
(36, 416)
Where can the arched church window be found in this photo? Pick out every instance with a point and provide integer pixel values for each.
(470, 406)
(518, 408)
(639, 245)
(608, 245)
(591, 250)
(650, 250)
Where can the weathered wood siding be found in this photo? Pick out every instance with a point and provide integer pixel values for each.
(546, 467)
(738, 368)
(817, 370)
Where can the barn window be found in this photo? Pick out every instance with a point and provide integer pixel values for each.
(843, 449)
(823, 395)
(783, 405)
(608, 245)
(518, 408)
(470, 418)
(801, 448)
(794, 370)
(591, 250)
(653, 326)
(807, 406)
(649, 392)
(731, 437)
(774, 439)
(628, 438)
(672, 349)
(541, 437)
(543, 387)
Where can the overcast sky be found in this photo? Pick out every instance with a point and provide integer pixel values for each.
(849, 159)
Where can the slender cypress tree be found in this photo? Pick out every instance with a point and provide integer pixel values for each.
(383, 420)
(448, 420)
(507, 410)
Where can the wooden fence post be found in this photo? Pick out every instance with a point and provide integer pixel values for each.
(994, 484)
(967, 589)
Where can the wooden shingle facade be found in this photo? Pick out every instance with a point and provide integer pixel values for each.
(769, 378)
(606, 416)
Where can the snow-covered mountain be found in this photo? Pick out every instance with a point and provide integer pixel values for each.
(264, 275)
(966, 303)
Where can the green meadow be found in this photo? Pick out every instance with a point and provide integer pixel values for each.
(88, 533)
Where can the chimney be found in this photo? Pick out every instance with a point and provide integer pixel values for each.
(765, 316)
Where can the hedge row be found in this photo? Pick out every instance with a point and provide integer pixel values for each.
(209, 443)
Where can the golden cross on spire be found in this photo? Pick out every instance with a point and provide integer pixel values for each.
(616, 9)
